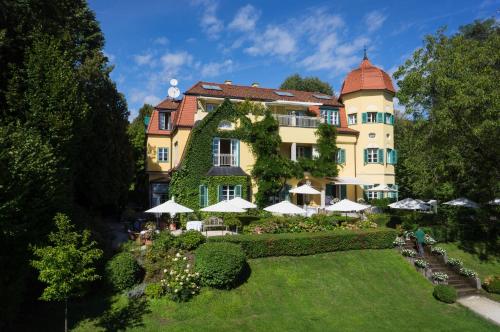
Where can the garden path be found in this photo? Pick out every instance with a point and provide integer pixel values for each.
(483, 306)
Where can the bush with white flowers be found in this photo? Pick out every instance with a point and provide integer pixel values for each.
(408, 252)
(439, 276)
(399, 242)
(468, 272)
(421, 263)
(438, 251)
(429, 240)
(180, 281)
(455, 262)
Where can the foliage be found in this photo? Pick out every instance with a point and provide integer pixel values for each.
(492, 284)
(190, 240)
(450, 91)
(408, 253)
(421, 263)
(455, 262)
(123, 271)
(429, 240)
(311, 84)
(221, 265)
(136, 132)
(213, 183)
(67, 264)
(467, 272)
(157, 255)
(381, 219)
(325, 165)
(297, 224)
(438, 251)
(154, 290)
(399, 242)
(445, 293)
(439, 276)
(180, 281)
(265, 245)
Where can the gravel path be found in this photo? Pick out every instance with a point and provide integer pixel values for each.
(483, 306)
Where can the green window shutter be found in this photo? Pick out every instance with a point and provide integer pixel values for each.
(381, 156)
(389, 156)
(203, 196)
(366, 156)
(237, 190)
(380, 117)
(395, 156)
(219, 193)
(215, 150)
(364, 117)
(343, 191)
(342, 156)
(392, 119)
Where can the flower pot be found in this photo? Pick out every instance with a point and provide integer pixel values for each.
(172, 227)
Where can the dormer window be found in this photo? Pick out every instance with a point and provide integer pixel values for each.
(210, 107)
(164, 121)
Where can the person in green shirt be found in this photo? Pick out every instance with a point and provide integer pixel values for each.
(420, 235)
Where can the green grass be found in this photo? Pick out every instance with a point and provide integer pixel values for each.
(483, 267)
(363, 290)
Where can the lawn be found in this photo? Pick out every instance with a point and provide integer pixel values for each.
(364, 290)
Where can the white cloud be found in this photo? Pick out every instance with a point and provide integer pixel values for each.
(210, 23)
(274, 41)
(144, 59)
(143, 97)
(213, 69)
(152, 100)
(172, 62)
(245, 19)
(161, 41)
(374, 20)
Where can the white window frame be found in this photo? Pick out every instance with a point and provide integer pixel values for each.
(371, 117)
(372, 155)
(331, 116)
(352, 119)
(163, 155)
(228, 192)
(301, 149)
(165, 124)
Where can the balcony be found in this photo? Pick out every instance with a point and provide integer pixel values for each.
(224, 159)
(298, 121)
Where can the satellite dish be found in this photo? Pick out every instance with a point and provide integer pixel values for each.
(174, 92)
(173, 82)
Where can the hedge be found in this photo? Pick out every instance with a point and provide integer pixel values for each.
(298, 244)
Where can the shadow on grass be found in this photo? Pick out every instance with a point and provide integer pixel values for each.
(128, 316)
(244, 276)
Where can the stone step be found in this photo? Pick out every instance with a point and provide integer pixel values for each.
(461, 285)
(466, 292)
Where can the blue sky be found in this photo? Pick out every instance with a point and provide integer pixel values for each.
(151, 41)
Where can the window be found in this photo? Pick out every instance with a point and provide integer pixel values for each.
(322, 97)
(210, 107)
(331, 117)
(392, 156)
(372, 135)
(162, 155)
(284, 93)
(304, 152)
(203, 196)
(389, 118)
(372, 156)
(352, 119)
(333, 191)
(371, 117)
(211, 87)
(372, 194)
(164, 121)
(226, 152)
(224, 124)
(159, 193)
(341, 156)
(227, 192)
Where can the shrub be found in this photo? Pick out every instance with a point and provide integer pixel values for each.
(365, 224)
(438, 251)
(429, 240)
(455, 262)
(220, 264)
(381, 219)
(137, 291)
(467, 272)
(399, 242)
(154, 290)
(421, 263)
(445, 293)
(180, 282)
(190, 240)
(299, 244)
(439, 276)
(122, 271)
(409, 253)
(163, 241)
(492, 284)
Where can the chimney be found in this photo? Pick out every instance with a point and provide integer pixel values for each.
(228, 82)
(255, 85)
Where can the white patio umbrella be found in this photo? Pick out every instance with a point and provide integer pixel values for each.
(382, 187)
(170, 207)
(463, 202)
(495, 201)
(242, 203)
(285, 207)
(305, 189)
(410, 204)
(224, 207)
(346, 205)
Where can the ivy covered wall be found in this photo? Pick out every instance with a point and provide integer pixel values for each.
(213, 183)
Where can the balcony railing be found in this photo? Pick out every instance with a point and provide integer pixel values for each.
(224, 159)
(297, 121)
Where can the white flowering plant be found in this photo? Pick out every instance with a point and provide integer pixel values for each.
(439, 276)
(429, 240)
(409, 234)
(455, 262)
(399, 242)
(438, 251)
(421, 263)
(180, 281)
(468, 272)
(408, 252)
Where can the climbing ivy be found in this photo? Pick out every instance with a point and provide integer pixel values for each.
(325, 165)
(213, 183)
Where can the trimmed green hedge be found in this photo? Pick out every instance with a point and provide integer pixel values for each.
(298, 244)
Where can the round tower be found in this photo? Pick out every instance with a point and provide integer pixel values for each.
(367, 93)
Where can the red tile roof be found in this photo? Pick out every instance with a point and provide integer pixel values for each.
(168, 104)
(154, 125)
(257, 93)
(367, 77)
(187, 110)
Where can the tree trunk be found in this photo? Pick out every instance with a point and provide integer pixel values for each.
(66, 315)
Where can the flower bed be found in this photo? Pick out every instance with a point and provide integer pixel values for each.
(408, 253)
(421, 263)
(399, 242)
(267, 245)
(455, 263)
(440, 277)
(438, 251)
(467, 272)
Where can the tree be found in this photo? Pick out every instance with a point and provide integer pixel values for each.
(311, 84)
(137, 135)
(448, 144)
(67, 264)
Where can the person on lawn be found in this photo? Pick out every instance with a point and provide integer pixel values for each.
(420, 235)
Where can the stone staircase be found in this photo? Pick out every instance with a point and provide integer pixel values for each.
(462, 284)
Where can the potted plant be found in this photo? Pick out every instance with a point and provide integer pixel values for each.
(440, 278)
